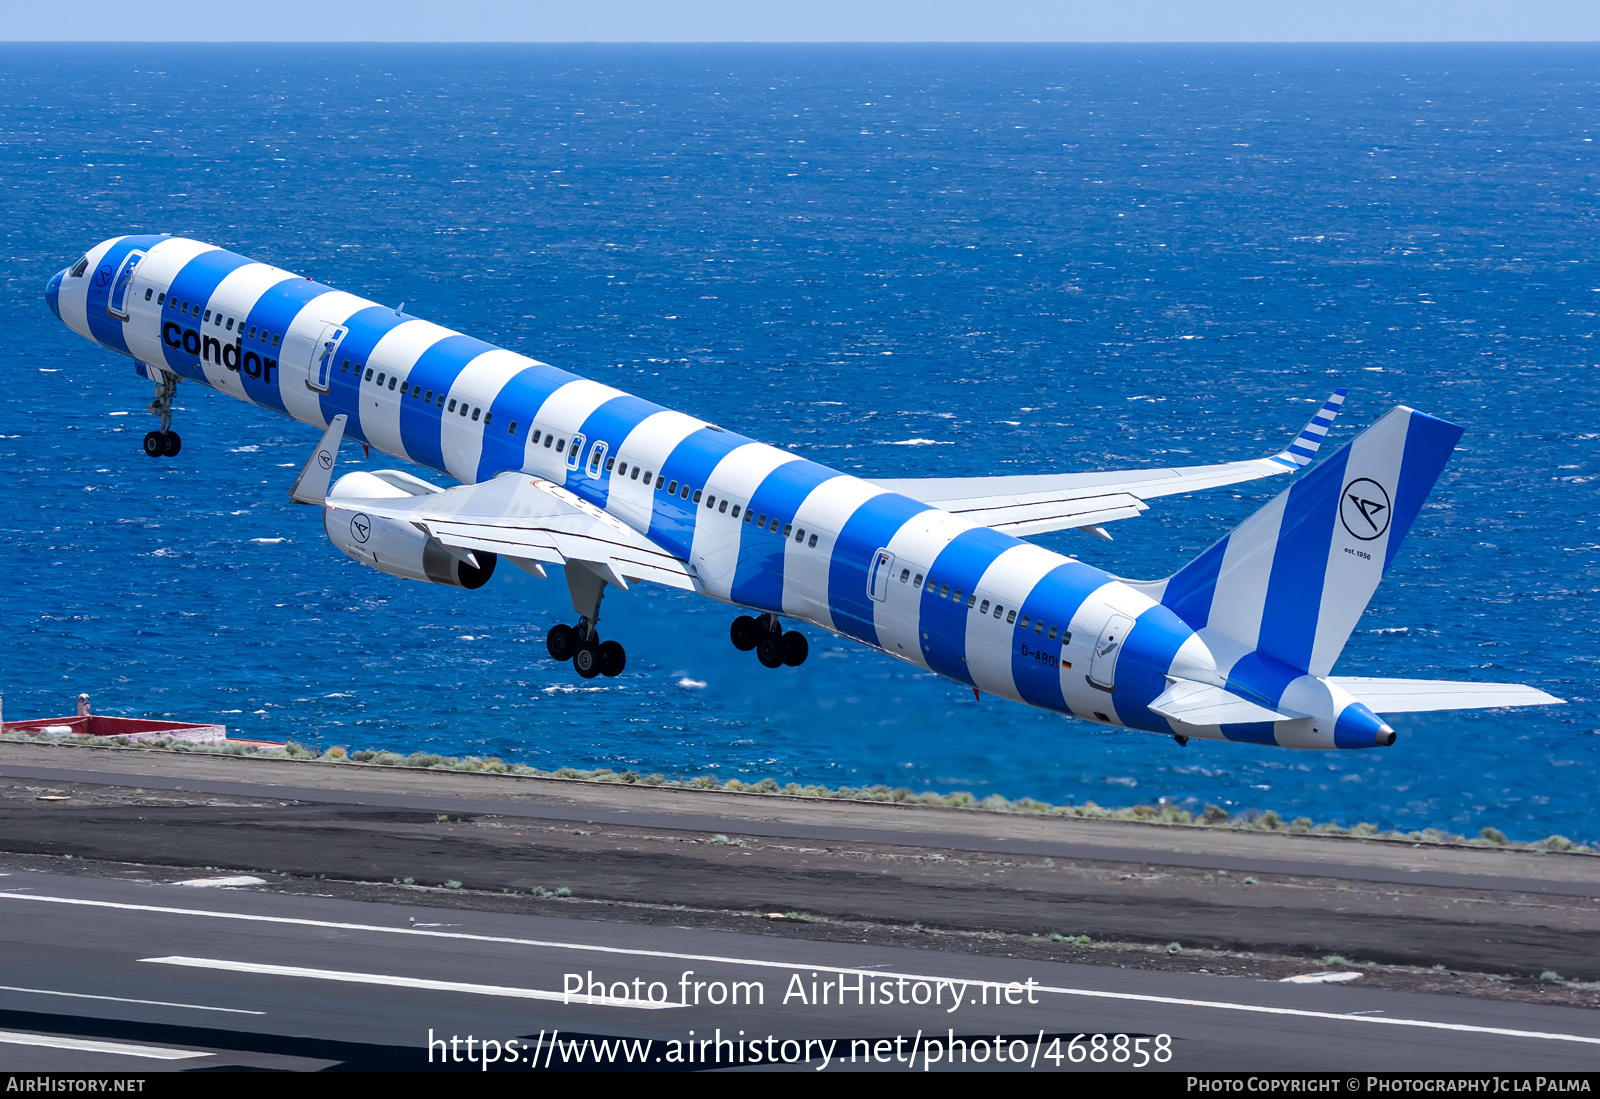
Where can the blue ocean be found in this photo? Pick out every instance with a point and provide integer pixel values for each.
(898, 261)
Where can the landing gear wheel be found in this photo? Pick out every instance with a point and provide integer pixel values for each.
(795, 648)
(561, 641)
(769, 650)
(586, 660)
(171, 444)
(744, 633)
(154, 445)
(612, 658)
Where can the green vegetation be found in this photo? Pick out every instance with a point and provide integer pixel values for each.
(1212, 816)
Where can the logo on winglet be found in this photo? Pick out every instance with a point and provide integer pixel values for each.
(1364, 509)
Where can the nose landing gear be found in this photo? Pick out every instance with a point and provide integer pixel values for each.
(774, 646)
(164, 443)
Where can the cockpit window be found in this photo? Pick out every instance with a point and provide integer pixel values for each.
(79, 268)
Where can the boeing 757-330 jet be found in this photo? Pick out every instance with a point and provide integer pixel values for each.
(556, 470)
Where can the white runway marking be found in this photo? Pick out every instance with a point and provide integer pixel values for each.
(84, 1045)
(1088, 993)
(126, 1000)
(402, 982)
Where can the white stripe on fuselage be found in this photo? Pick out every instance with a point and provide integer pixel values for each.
(563, 413)
(897, 617)
(478, 384)
(161, 264)
(378, 406)
(1008, 581)
(646, 448)
(714, 553)
(234, 297)
(300, 346)
(826, 511)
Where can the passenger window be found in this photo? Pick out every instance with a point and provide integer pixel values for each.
(684, 491)
(391, 382)
(736, 511)
(723, 507)
(161, 299)
(944, 591)
(475, 413)
(369, 373)
(548, 440)
(905, 575)
(512, 430)
(799, 536)
(149, 291)
(1038, 628)
(1066, 638)
(380, 378)
(971, 599)
(230, 319)
(932, 583)
(956, 595)
(918, 580)
(274, 339)
(439, 400)
(696, 495)
(206, 317)
(487, 416)
(346, 367)
(536, 434)
(634, 476)
(787, 527)
(749, 516)
(464, 409)
(998, 609)
(985, 608)
(1011, 616)
(812, 544)
(452, 407)
(252, 331)
(428, 397)
(1025, 619)
(647, 474)
(611, 463)
(561, 444)
(761, 523)
(672, 488)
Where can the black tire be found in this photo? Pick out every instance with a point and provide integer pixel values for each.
(561, 641)
(744, 633)
(612, 658)
(769, 650)
(171, 444)
(586, 660)
(795, 648)
(154, 445)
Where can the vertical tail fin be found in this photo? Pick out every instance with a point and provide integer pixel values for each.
(1291, 580)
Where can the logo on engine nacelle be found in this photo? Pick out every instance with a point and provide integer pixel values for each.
(1364, 509)
(360, 527)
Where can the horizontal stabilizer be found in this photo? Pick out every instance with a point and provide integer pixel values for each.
(1412, 696)
(1202, 704)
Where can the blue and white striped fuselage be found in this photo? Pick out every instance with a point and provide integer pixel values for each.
(756, 526)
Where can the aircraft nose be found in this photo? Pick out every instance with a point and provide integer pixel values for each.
(52, 292)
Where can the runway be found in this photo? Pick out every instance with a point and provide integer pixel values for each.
(108, 975)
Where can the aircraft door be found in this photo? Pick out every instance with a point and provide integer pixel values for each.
(1103, 664)
(322, 357)
(117, 300)
(878, 575)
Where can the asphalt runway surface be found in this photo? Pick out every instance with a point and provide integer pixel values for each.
(106, 975)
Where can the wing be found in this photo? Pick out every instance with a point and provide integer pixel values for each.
(531, 519)
(1411, 696)
(1033, 504)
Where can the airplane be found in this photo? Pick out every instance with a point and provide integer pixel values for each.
(557, 470)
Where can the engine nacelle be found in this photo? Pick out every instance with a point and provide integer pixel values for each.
(394, 546)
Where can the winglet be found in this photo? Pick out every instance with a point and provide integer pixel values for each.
(311, 487)
(1304, 448)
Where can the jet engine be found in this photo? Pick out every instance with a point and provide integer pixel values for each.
(395, 546)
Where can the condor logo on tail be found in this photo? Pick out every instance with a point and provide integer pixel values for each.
(1364, 509)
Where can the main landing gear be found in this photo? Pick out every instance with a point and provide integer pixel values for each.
(581, 644)
(773, 645)
(164, 443)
